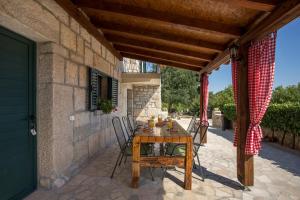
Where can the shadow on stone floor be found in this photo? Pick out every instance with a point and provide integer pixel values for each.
(207, 175)
(227, 134)
(280, 156)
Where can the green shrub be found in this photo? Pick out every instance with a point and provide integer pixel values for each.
(229, 111)
(287, 94)
(283, 117)
(105, 105)
(279, 117)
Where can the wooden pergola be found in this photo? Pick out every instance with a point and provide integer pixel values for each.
(190, 34)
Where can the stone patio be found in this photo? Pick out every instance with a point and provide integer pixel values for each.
(277, 176)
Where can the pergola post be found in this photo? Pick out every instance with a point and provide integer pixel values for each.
(245, 168)
(204, 138)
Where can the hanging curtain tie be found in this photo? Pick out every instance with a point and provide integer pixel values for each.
(254, 125)
(255, 128)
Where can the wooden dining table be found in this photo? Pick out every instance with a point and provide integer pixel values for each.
(162, 134)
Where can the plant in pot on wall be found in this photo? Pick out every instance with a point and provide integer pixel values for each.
(105, 106)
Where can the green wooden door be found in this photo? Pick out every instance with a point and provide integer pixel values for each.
(17, 114)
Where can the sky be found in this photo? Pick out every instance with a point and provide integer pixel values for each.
(287, 60)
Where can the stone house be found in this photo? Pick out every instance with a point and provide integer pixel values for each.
(47, 128)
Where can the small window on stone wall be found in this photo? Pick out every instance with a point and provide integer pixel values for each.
(101, 87)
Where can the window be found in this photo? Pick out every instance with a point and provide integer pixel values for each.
(101, 86)
(148, 67)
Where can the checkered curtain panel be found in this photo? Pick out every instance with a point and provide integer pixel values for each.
(204, 83)
(261, 64)
(234, 75)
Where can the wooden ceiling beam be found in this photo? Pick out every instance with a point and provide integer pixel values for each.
(219, 60)
(261, 5)
(159, 47)
(160, 61)
(111, 27)
(280, 16)
(72, 10)
(166, 56)
(138, 48)
(162, 17)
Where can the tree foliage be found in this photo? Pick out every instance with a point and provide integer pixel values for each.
(219, 99)
(288, 94)
(179, 88)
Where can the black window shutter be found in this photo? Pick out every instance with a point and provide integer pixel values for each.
(93, 88)
(114, 91)
(109, 88)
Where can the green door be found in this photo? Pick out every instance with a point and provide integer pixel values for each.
(17, 116)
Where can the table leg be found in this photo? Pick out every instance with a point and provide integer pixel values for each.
(135, 162)
(188, 165)
(161, 149)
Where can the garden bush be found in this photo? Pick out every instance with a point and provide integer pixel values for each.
(229, 111)
(279, 117)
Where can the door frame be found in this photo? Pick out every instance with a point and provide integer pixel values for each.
(32, 99)
(131, 102)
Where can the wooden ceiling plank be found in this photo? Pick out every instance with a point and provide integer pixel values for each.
(261, 5)
(160, 55)
(160, 17)
(160, 61)
(176, 61)
(111, 27)
(142, 49)
(280, 16)
(72, 10)
(139, 43)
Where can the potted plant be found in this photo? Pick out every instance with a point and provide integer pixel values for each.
(151, 122)
(105, 105)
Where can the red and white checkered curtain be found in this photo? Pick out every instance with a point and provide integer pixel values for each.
(234, 75)
(261, 65)
(204, 85)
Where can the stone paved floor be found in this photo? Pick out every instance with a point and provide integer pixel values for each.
(277, 176)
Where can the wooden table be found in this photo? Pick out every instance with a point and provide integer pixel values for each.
(161, 135)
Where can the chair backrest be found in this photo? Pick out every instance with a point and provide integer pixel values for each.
(119, 132)
(126, 125)
(191, 125)
(204, 125)
(131, 122)
(195, 133)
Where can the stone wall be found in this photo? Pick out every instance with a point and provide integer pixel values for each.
(146, 101)
(288, 140)
(277, 137)
(68, 134)
(217, 119)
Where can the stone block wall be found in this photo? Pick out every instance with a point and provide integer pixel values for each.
(146, 101)
(288, 140)
(217, 119)
(68, 134)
